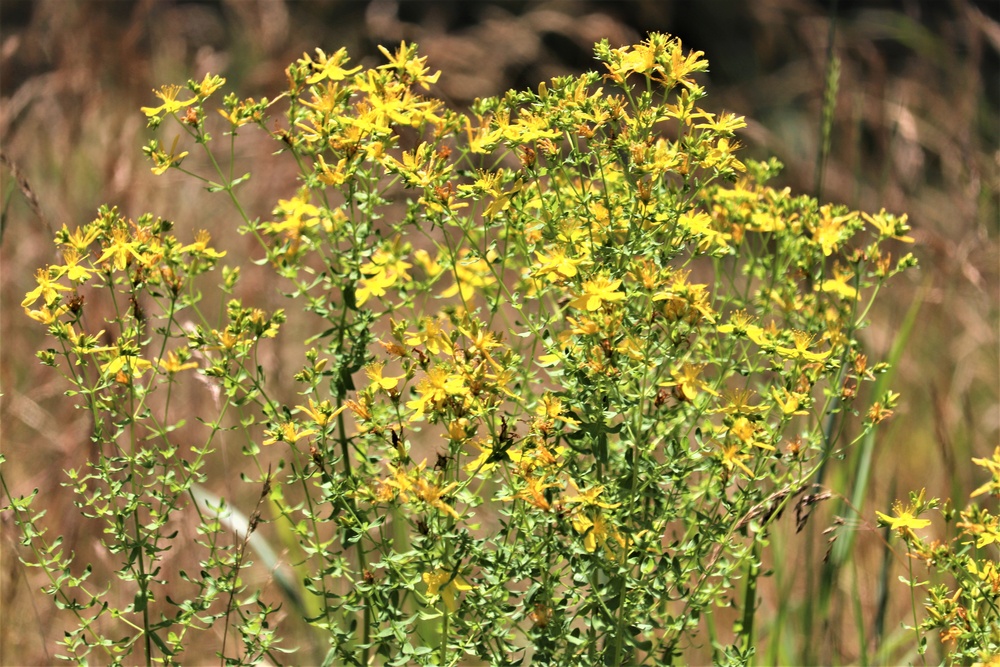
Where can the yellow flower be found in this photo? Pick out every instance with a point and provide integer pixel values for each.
(596, 292)
(889, 225)
(47, 288)
(830, 231)
(299, 215)
(688, 382)
(411, 68)
(168, 94)
(447, 585)
(126, 364)
(700, 224)
(904, 522)
(533, 493)
(432, 335)
(72, 268)
(374, 373)
(80, 238)
(726, 124)
(788, 401)
(840, 283)
(993, 466)
(482, 462)
(374, 284)
(733, 456)
(174, 364)
(801, 350)
(589, 497)
(430, 266)
(286, 432)
(740, 323)
(551, 408)
(988, 573)
(164, 161)
(470, 274)
(746, 433)
(434, 495)
(596, 530)
(331, 176)
(738, 402)
(200, 246)
(120, 248)
(210, 84)
(321, 413)
(435, 389)
(556, 265)
(46, 315)
(329, 67)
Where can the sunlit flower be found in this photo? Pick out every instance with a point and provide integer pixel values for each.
(905, 522)
(173, 363)
(329, 67)
(889, 225)
(168, 95)
(374, 373)
(126, 363)
(597, 292)
(321, 412)
(287, 432)
(801, 351)
(446, 584)
(48, 289)
(688, 382)
(733, 456)
(993, 466)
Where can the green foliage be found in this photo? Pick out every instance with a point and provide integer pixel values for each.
(626, 353)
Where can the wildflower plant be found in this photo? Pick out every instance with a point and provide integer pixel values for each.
(566, 360)
(961, 598)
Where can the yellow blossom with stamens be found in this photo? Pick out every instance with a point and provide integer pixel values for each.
(434, 495)
(45, 314)
(200, 246)
(533, 493)
(789, 401)
(905, 522)
(589, 497)
(209, 84)
(172, 363)
(555, 265)
(746, 433)
(48, 289)
(287, 432)
(840, 284)
(374, 373)
(688, 381)
(72, 268)
(801, 351)
(889, 225)
(447, 585)
(131, 365)
(993, 466)
(81, 237)
(830, 231)
(597, 292)
(168, 95)
(322, 413)
(163, 160)
(733, 456)
(329, 67)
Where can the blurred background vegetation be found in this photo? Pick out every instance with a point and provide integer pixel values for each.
(915, 128)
